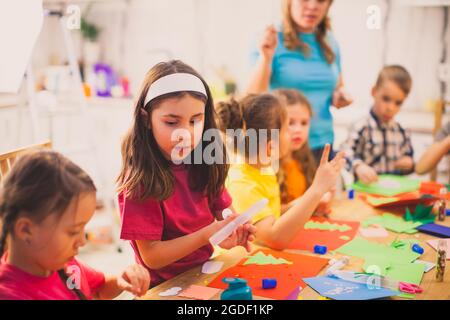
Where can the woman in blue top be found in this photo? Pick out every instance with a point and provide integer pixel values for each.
(304, 56)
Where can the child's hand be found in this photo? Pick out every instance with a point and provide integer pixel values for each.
(134, 279)
(269, 43)
(366, 174)
(242, 236)
(404, 163)
(341, 98)
(328, 171)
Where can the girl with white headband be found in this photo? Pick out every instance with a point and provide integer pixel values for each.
(170, 210)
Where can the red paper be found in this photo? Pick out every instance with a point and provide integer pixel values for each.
(405, 199)
(307, 239)
(288, 276)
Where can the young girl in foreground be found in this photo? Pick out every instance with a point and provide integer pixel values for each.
(170, 210)
(45, 202)
(255, 178)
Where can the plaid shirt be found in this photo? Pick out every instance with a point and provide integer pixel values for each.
(377, 144)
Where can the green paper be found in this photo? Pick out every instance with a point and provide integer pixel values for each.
(344, 238)
(388, 185)
(379, 201)
(373, 251)
(327, 226)
(393, 223)
(261, 259)
(404, 244)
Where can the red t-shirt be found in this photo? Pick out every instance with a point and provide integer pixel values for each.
(181, 214)
(16, 284)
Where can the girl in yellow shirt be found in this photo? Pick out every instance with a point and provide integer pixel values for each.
(252, 176)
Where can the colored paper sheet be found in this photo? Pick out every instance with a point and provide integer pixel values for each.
(198, 292)
(288, 276)
(388, 185)
(373, 251)
(373, 232)
(405, 199)
(338, 289)
(421, 214)
(306, 239)
(393, 223)
(428, 265)
(435, 230)
(434, 245)
(261, 259)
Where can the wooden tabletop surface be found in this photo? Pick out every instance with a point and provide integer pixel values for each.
(351, 210)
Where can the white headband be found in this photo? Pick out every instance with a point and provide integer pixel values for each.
(175, 83)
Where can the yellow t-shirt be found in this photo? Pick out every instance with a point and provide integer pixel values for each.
(295, 180)
(247, 185)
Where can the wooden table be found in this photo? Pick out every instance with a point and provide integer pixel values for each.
(351, 210)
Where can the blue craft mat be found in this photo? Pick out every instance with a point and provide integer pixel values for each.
(348, 290)
(436, 230)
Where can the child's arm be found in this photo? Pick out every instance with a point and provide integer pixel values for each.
(433, 155)
(278, 233)
(158, 254)
(134, 279)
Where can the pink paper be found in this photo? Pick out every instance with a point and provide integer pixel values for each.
(434, 245)
(198, 292)
(374, 232)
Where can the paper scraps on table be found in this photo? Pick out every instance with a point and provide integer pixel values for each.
(374, 232)
(337, 289)
(170, 292)
(436, 230)
(198, 292)
(434, 244)
(393, 223)
(306, 239)
(261, 259)
(211, 267)
(428, 265)
(421, 214)
(326, 225)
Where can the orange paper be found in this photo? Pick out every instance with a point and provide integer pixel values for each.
(289, 276)
(198, 292)
(307, 239)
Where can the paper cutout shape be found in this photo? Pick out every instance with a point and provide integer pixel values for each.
(338, 289)
(373, 251)
(170, 292)
(436, 230)
(393, 223)
(428, 265)
(289, 276)
(388, 185)
(404, 244)
(404, 199)
(211, 267)
(306, 239)
(421, 214)
(374, 232)
(261, 259)
(326, 225)
(434, 245)
(198, 292)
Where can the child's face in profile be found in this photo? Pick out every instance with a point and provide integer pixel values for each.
(388, 98)
(56, 240)
(299, 123)
(177, 126)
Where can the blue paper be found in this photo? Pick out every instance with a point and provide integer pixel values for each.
(435, 230)
(337, 289)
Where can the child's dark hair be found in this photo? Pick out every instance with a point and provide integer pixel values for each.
(398, 74)
(145, 172)
(255, 111)
(40, 183)
(304, 155)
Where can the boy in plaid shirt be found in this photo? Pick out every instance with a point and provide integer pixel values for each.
(378, 144)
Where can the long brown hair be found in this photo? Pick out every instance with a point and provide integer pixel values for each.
(254, 111)
(145, 171)
(304, 155)
(39, 184)
(292, 40)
